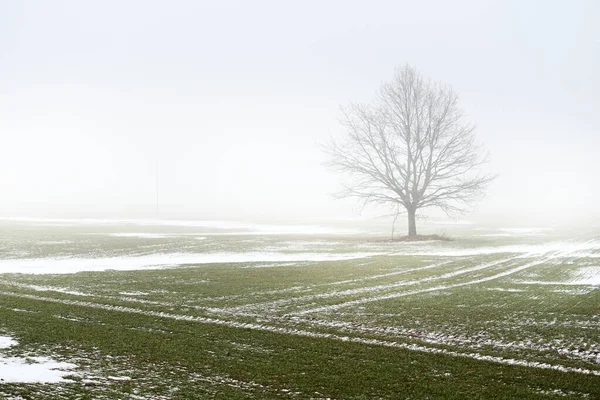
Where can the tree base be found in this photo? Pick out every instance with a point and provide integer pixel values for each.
(419, 238)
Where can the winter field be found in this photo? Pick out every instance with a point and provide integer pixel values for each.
(93, 309)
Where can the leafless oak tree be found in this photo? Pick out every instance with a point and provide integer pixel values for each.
(411, 148)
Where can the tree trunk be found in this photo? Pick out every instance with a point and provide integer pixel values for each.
(412, 224)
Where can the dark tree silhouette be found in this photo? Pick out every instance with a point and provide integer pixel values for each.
(411, 149)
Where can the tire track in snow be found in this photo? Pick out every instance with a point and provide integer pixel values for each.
(440, 339)
(364, 290)
(420, 291)
(299, 289)
(401, 272)
(317, 335)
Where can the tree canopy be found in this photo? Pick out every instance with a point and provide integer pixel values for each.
(411, 148)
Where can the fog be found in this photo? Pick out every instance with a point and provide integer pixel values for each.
(233, 100)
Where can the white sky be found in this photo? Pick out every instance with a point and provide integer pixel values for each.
(234, 97)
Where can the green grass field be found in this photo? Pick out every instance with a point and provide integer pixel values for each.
(487, 325)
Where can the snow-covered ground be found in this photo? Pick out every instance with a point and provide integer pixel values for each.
(46, 246)
(516, 265)
(31, 369)
(159, 260)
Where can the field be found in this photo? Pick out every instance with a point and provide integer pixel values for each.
(122, 310)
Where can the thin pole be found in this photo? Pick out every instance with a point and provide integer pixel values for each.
(157, 188)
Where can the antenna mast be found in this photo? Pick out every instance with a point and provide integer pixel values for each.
(157, 211)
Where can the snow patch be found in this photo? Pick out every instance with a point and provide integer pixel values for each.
(119, 378)
(558, 249)
(140, 235)
(38, 288)
(512, 290)
(584, 276)
(587, 276)
(31, 369)
(72, 265)
(136, 293)
(6, 342)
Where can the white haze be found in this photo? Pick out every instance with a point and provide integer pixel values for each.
(233, 99)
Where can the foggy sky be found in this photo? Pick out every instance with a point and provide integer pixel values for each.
(234, 98)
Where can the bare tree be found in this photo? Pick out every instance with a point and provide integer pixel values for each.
(411, 149)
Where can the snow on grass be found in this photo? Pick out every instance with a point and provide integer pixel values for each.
(140, 235)
(321, 335)
(587, 276)
(6, 342)
(572, 291)
(39, 288)
(514, 232)
(135, 293)
(31, 369)
(562, 393)
(118, 378)
(549, 283)
(370, 289)
(473, 342)
(388, 274)
(512, 290)
(559, 249)
(272, 265)
(73, 265)
(55, 289)
(334, 307)
(55, 242)
(524, 231)
(588, 255)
